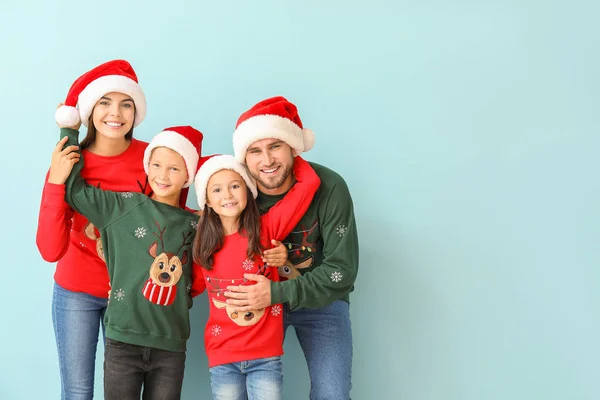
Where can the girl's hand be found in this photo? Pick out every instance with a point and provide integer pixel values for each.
(62, 162)
(277, 256)
(76, 127)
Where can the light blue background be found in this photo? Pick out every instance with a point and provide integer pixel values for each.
(467, 133)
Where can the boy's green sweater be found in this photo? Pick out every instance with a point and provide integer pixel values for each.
(323, 248)
(142, 238)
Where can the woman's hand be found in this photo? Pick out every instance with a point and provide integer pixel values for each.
(62, 162)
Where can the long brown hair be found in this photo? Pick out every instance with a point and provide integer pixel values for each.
(90, 137)
(210, 234)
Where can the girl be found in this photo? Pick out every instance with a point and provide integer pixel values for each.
(243, 349)
(147, 247)
(105, 95)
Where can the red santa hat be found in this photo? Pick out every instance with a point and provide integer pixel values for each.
(210, 165)
(185, 140)
(112, 76)
(274, 118)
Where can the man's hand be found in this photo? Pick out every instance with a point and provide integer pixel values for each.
(254, 297)
(277, 256)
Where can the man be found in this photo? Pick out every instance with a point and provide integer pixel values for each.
(323, 249)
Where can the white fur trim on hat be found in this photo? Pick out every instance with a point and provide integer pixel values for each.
(214, 165)
(176, 142)
(309, 139)
(268, 127)
(111, 83)
(66, 116)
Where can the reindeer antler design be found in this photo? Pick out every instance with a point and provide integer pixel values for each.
(160, 237)
(144, 187)
(219, 285)
(185, 243)
(304, 244)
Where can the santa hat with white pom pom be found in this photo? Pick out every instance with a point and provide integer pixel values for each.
(273, 118)
(112, 76)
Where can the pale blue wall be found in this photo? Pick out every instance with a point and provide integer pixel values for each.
(467, 132)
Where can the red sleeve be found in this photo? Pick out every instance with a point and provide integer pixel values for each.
(198, 283)
(54, 223)
(283, 217)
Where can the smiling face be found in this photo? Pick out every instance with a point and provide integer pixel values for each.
(226, 194)
(270, 162)
(113, 115)
(167, 174)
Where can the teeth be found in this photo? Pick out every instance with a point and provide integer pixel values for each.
(268, 171)
(115, 124)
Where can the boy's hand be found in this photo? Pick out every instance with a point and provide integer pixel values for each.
(277, 256)
(62, 162)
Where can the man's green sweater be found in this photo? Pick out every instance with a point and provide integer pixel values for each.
(322, 250)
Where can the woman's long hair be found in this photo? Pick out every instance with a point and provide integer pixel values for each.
(210, 234)
(90, 137)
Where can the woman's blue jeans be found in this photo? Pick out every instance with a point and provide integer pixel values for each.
(77, 319)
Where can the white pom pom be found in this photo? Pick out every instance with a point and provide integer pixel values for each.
(66, 116)
(309, 139)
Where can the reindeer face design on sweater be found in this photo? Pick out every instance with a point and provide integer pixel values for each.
(291, 271)
(165, 271)
(298, 248)
(90, 231)
(218, 286)
(240, 318)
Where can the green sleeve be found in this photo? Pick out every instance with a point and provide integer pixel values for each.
(100, 207)
(334, 277)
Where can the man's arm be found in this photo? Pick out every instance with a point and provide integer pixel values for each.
(335, 276)
(327, 282)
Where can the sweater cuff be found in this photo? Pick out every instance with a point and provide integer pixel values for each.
(283, 292)
(54, 195)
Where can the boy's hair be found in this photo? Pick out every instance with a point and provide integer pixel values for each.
(210, 235)
(90, 137)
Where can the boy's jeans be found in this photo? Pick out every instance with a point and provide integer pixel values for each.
(127, 367)
(260, 379)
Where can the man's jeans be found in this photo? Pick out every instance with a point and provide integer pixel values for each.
(127, 367)
(259, 379)
(325, 336)
(77, 319)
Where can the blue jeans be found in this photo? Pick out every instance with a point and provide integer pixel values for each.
(325, 335)
(260, 379)
(128, 368)
(77, 318)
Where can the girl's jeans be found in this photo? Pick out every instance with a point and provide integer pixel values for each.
(259, 379)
